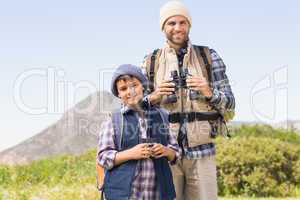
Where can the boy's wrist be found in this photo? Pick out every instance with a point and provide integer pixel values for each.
(130, 154)
(170, 154)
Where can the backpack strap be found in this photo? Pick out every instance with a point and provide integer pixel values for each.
(152, 68)
(117, 121)
(164, 114)
(203, 52)
(152, 64)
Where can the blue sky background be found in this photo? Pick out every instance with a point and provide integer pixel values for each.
(258, 41)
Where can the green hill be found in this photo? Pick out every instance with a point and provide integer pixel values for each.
(257, 161)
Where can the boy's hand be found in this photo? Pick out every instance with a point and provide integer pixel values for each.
(159, 150)
(140, 151)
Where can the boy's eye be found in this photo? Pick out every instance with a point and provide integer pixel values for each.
(122, 88)
(133, 84)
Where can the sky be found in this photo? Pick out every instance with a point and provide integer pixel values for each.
(55, 53)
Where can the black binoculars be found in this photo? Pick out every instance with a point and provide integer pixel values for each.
(180, 82)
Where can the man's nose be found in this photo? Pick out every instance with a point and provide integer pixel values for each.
(177, 27)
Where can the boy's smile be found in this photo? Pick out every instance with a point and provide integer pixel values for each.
(130, 91)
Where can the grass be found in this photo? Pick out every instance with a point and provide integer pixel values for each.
(58, 192)
(74, 177)
(249, 198)
(77, 192)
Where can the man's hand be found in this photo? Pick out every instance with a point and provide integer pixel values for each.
(200, 84)
(164, 88)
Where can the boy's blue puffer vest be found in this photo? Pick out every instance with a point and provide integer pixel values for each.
(118, 180)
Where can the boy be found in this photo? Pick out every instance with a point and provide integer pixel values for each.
(136, 155)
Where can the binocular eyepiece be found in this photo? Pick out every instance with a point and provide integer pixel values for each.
(180, 82)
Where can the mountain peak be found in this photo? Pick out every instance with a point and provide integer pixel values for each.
(76, 132)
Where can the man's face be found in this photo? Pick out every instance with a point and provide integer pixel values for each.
(176, 29)
(130, 91)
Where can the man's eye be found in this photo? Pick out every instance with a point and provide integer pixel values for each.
(171, 23)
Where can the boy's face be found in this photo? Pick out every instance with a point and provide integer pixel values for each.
(130, 91)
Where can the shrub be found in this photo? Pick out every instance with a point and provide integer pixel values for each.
(5, 176)
(255, 166)
(62, 169)
(266, 131)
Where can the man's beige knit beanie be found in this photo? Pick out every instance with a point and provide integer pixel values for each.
(173, 8)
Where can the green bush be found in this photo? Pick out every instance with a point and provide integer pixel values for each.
(48, 171)
(5, 175)
(266, 131)
(63, 169)
(257, 166)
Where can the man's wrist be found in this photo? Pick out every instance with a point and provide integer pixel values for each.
(215, 97)
(152, 100)
(208, 96)
(149, 99)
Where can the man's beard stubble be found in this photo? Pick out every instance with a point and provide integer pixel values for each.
(181, 44)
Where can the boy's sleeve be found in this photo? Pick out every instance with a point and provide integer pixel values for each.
(106, 146)
(173, 144)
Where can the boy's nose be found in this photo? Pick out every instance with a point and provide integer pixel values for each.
(130, 92)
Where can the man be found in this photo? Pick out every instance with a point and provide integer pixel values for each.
(135, 144)
(191, 83)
